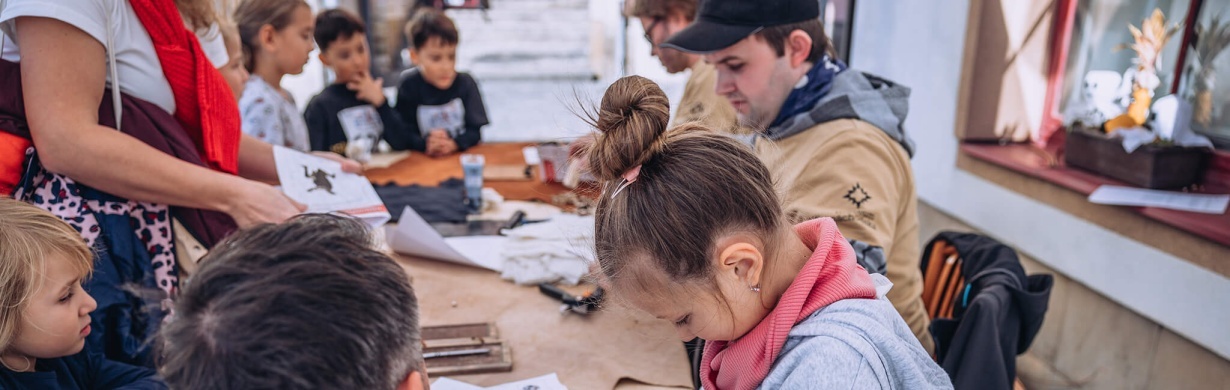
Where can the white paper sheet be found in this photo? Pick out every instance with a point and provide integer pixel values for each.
(530, 153)
(545, 382)
(1128, 196)
(413, 236)
(446, 383)
(320, 184)
(486, 251)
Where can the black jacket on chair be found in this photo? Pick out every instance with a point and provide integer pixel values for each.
(996, 316)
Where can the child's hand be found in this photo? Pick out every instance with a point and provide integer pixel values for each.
(440, 144)
(368, 89)
(441, 148)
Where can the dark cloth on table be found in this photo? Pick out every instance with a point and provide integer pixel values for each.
(442, 203)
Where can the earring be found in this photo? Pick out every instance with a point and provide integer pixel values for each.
(755, 288)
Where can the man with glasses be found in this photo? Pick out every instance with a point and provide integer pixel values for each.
(663, 18)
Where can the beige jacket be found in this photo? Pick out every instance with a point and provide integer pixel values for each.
(701, 103)
(852, 171)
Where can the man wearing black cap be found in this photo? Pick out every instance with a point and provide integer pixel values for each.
(832, 136)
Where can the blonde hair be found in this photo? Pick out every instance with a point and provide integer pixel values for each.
(199, 13)
(27, 235)
(230, 36)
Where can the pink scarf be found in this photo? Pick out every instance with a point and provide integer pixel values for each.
(830, 275)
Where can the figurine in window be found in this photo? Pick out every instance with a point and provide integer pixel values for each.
(1098, 98)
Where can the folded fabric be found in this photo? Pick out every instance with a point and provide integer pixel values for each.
(443, 203)
(559, 250)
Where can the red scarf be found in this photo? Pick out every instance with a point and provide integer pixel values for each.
(204, 104)
(830, 275)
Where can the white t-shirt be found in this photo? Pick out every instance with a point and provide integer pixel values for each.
(272, 117)
(140, 73)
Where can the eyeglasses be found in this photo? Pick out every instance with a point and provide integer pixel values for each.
(649, 30)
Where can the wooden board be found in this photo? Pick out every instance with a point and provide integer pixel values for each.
(446, 338)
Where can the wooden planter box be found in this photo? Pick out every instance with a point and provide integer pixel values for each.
(1149, 166)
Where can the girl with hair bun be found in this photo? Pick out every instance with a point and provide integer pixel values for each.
(689, 228)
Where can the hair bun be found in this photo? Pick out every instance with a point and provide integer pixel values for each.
(632, 119)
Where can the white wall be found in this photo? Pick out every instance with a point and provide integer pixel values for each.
(920, 45)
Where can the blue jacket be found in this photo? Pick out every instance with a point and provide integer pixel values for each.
(81, 371)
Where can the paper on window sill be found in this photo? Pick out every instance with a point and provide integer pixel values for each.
(1128, 196)
(413, 236)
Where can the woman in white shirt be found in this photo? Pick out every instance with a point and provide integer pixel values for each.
(61, 48)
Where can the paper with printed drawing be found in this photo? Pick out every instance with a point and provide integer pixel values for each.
(413, 236)
(320, 184)
(1128, 196)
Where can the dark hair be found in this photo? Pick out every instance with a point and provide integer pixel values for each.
(305, 304)
(776, 37)
(694, 186)
(428, 23)
(335, 24)
(661, 9)
(251, 15)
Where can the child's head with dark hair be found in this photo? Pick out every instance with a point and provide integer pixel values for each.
(342, 40)
(433, 46)
(334, 24)
(305, 304)
(685, 213)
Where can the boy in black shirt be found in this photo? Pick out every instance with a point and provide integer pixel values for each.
(442, 109)
(343, 48)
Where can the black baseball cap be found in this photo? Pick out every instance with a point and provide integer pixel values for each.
(722, 23)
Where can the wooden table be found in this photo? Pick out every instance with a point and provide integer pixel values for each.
(420, 169)
(614, 347)
(595, 351)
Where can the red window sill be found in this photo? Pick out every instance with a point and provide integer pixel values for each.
(1039, 164)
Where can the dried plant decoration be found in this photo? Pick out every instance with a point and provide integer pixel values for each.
(1150, 39)
(1211, 40)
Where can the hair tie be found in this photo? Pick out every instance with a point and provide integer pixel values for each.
(628, 177)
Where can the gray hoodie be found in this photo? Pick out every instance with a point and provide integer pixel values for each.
(856, 95)
(855, 344)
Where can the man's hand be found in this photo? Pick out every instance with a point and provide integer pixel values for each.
(368, 89)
